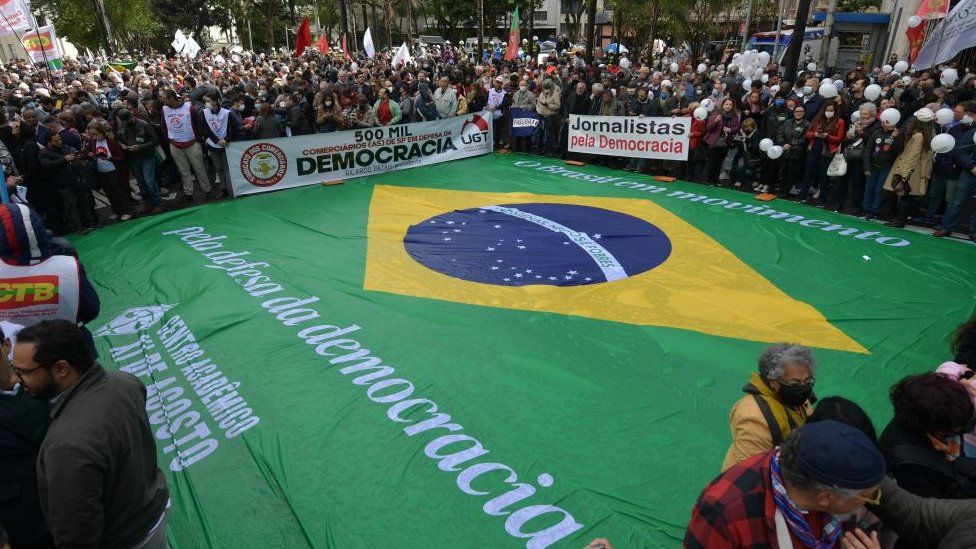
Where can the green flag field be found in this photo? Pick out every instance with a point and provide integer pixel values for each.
(502, 351)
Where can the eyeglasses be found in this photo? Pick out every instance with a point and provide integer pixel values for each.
(20, 373)
(874, 500)
(806, 383)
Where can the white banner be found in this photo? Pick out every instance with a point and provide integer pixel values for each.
(659, 137)
(41, 44)
(15, 16)
(269, 165)
(952, 35)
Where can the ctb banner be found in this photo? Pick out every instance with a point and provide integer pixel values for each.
(658, 137)
(524, 122)
(269, 165)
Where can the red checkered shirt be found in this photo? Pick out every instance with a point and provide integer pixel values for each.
(737, 510)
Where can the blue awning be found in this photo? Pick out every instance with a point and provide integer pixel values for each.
(845, 17)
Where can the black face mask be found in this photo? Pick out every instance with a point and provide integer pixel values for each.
(794, 395)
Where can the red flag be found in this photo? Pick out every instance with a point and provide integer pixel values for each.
(916, 37)
(304, 37)
(513, 38)
(323, 44)
(345, 50)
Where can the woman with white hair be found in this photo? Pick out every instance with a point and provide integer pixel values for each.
(778, 399)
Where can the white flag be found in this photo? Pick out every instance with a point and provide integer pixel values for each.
(402, 56)
(952, 35)
(368, 44)
(192, 48)
(16, 16)
(179, 41)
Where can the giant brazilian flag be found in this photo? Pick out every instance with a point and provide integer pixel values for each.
(494, 352)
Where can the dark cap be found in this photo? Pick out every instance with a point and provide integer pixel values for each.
(839, 455)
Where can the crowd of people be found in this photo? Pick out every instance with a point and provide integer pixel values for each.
(77, 455)
(165, 123)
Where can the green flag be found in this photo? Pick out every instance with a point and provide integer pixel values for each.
(502, 349)
(513, 37)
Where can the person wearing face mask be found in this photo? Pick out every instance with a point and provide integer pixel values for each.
(328, 115)
(959, 193)
(773, 118)
(812, 101)
(547, 105)
(722, 124)
(138, 139)
(445, 99)
(945, 171)
(794, 495)
(222, 126)
(923, 443)
(825, 135)
(778, 400)
(523, 99)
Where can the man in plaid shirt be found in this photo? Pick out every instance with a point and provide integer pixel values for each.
(791, 494)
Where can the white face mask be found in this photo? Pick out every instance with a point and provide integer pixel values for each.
(807, 90)
(967, 119)
(828, 114)
(282, 104)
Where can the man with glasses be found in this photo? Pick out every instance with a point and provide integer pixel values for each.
(96, 470)
(794, 495)
(777, 401)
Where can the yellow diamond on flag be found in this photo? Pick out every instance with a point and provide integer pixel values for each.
(621, 260)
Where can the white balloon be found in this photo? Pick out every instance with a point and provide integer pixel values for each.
(891, 116)
(811, 67)
(872, 92)
(747, 84)
(943, 143)
(665, 83)
(943, 116)
(886, 69)
(906, 79)
(839, 84)
(707, 104)
(702, 68)
(901, 67)
(774, 152)
(773, 89)
(949, 77)
(757, 74)
(828, 90)
(765, 78)
(855, 116)
(974, 138)
(700, 113)
(625, 63)
(914, 21)
(764, 58)
(765, 144)
(674, 67)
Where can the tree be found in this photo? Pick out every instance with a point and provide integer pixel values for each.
(134, 22)
(792, 57)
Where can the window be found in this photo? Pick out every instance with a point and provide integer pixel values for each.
(539, 15)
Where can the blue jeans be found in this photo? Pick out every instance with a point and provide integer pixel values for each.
(816, 172)
(964, 189)
(873, 195)
(144, 168)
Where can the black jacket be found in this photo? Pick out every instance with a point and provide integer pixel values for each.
(97, 465)
(23, 423)
(881, 149)
(139, 133)
(923, 470)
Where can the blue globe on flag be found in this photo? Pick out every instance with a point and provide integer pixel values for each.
(537, 243)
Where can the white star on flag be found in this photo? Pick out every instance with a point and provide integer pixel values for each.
(598, 236)
(588, 279)
(447, 238)
(528, 271)
(498, 226)
(571, 272)
(521, 247)
(450, 222)
(518, 275)
(489, 249)
(552, 278)
(494, 267)
(568, 277)
(507, 279)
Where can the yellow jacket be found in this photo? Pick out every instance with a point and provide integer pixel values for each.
(750, 431)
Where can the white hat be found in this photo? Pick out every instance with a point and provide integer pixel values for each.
(924, 114)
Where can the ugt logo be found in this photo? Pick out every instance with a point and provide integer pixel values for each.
(474, 131)
(28, 290)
